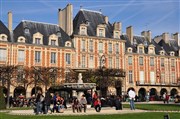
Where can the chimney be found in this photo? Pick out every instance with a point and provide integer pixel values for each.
(106, 19)
(65, 17)
(176, 36)
(165, 37)
(147, 34)
(10, 21)
(129, 33)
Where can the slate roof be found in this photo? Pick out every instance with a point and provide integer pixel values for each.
(94, 18)
(45, 29)
(161, 45)
(4, 30)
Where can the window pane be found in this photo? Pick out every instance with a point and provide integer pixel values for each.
(3, 54)
(130, 77)
(37, 56)
(68, 60)
(21, 55)
(53, 57)
(130, 60)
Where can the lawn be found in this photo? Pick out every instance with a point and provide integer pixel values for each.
(162, 107)
(147, 115)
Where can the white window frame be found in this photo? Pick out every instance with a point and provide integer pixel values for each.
(68, 58)
(21, 55)
(53, 57)
(37, 56)
(3, 54)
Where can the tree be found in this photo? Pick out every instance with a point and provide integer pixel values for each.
(2, 99)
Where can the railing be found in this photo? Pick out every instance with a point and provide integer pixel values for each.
(158, 84)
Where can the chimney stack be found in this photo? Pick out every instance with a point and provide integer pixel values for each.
(129, 33)
(106, 19)
(65, 17)
(165, 37)
(147, 34)
(177, 38)
(10, 21)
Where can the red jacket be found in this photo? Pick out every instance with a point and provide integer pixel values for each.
(97, 102)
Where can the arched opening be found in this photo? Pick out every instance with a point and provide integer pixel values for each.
(142, 94)
(163, 90)
(118, 86)
(19, 91)
(131, 88)
(34, 90)
(153, 94)
(174, 92)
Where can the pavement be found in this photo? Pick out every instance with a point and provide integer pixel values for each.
(90, 111)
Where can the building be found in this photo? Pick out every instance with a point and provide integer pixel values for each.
(151, 64)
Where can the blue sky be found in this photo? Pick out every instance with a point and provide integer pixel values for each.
(156, 15)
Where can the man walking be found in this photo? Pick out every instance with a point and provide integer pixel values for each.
(132, 94)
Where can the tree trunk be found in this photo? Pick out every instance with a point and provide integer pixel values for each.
(8, 92)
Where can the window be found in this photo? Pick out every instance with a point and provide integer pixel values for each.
(37, 56)
(101, 32)
(91, 61)
(140, 60)
(91, 46)
(173, 77)
(151, 50)
(152, 78)
(130, 77)
(162, 62)
(37, 41)
(68, 58)
(141, 50)
(141, 75)
(53, 42)
(117, 48)
(83, 31)
(53, 57)
(117, 62)
(3, 37)
(116, 35)
(83, 45)
(110, 62)
(21, 55)
(162, 78)
(100, 47)
(83, 61)
(110, 47)
(3, 54)
(130, 60)
(172, 63)
(151, 61)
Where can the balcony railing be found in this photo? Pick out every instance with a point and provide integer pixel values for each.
(158, 84)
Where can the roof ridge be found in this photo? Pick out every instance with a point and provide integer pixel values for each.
(39, 22)
(91, 11)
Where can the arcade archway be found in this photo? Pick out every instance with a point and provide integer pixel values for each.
(173, 92)
(142, 94)
(19, 91)
(34, 90)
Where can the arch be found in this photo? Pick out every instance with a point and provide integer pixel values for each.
(131, 88)
(35, 90)
(19, 91)
(153, 91)
(163, 90)
(173, 92)
(142, 94)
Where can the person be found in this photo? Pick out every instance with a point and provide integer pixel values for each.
(164, 97)
(76, 105)
(132, 95)
(83, 103)
(94, 97)
(97, 105)
(39, 98)
(118, 103)
(47, 102)
(147, 97)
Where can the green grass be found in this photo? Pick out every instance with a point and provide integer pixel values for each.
(148, 115)
(162, 107)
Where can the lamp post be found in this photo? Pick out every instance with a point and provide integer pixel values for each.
(102, 68)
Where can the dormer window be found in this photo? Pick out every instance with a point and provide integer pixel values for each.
(37, 38)
(116, 34)
(68, 44)
(141, 49)
(171, 53)
(58, 34)
(101, 30)
(26, 30)
(162, 52)
(3, 37)
(21, 39)
(83, 29)
(130, 50)
(53, 40)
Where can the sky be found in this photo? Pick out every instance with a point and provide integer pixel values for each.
(159, 16)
